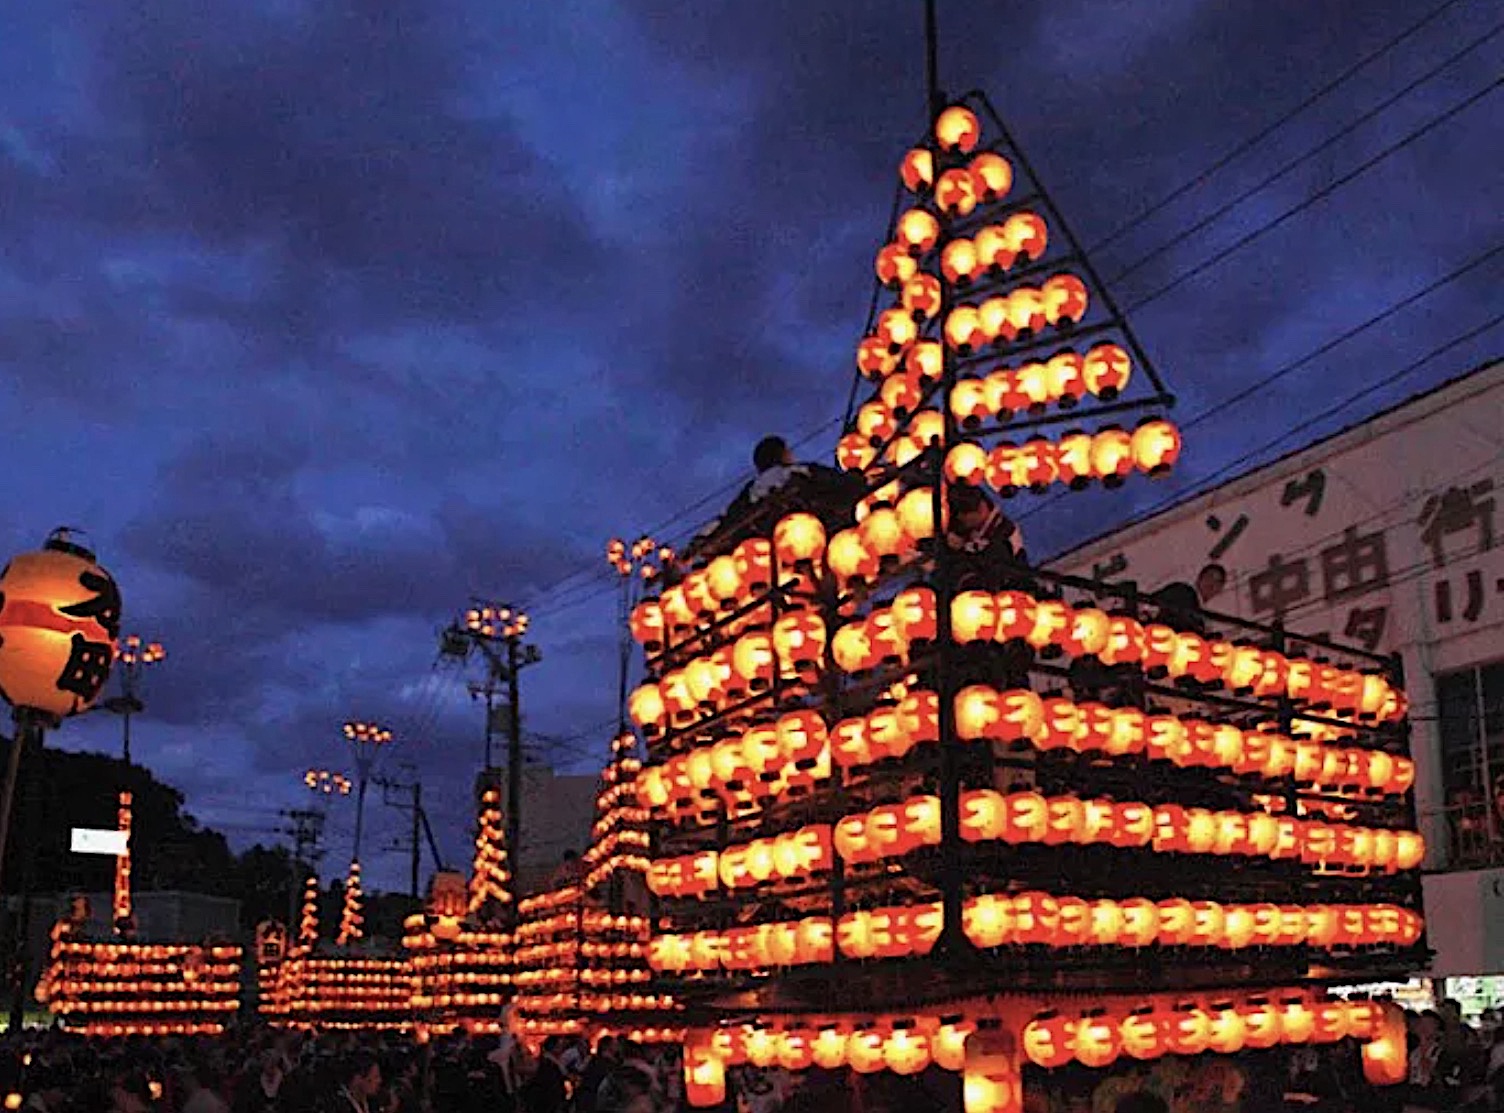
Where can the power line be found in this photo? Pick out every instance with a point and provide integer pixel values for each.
(1270, 128)
(1216, 214)
(1321, 194)
(1258, 385)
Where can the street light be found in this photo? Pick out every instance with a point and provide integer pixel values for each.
(327, 782)
(365, 739)
(134, 656)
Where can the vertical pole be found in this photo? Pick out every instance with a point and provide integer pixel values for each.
(360, 805)
(417, 833)
(490, 711)
(514, 751)
(126, 729)
(33, 801)
(12, 772)
(932, 60)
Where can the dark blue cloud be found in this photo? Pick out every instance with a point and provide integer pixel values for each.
(325, 316)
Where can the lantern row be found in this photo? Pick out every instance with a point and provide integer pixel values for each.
(1025, 818)
(987, 255)
(490, 877)
(991, 1057)
(1037, 919)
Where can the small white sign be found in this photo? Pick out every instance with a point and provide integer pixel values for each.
(88, 840)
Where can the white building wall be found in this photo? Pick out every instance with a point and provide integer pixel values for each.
(1390, 535)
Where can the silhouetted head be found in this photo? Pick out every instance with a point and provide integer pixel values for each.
(770, 453)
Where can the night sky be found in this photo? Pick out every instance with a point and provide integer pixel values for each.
(321, 318)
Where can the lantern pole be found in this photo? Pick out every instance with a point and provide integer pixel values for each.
(932, 59)
(365, 738)
(134, 656)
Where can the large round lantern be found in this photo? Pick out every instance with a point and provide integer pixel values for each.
(59, 621)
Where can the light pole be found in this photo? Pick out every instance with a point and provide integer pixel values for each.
(499, 631)
(365, 739)
(134, 656)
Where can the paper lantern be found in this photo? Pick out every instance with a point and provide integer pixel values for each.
(828, 1049)
(906, 1051)
(864, 1051)
(1143, 1033)
(988, 920)
(799, 540)
(957, 129)
(918, 232)
(918, 170)
(921, 297)
(795, 1050)
(973, 617)
(992, 1081)
(959, 262)
(852, 648)
(1047, 1040)
(966, 463)
(1226, 1030)
(59, 622)
(1155, 447)
(957, 193)
(993, 174)
(1112, 455)
(978, 712)
(799, 641)
(894, 267)
(963, 329)
(1073, 459)
(647, 625)
(1065, 300)
(848, 557)
(1098, 1040)
(1385, 1055)
(647, 709)
(1106, 371)
(1189, 1030)
(704, 1075)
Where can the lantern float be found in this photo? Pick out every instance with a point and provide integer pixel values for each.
(921, 753)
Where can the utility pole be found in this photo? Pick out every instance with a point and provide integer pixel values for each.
(392, 793)
(498, 632)
(306, 830)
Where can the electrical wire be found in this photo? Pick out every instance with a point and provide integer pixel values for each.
(1273, 126)
(1222, 210)
(1320, 195)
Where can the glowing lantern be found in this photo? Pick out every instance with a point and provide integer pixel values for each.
(977, 712)
(1261, 1027)
(849, 558)
(864, 1051)
(957, 193)
(1017, 612)
(960, 262)
(1385, 1055)
(897, 327)
(921, 296)
(1052, 618)
(1088, 633)
(918, 170)
(59, 622)
(647, 625)
(799, 540)
(647, 710)
(723, 580)
(1047, 1040)
(795, 1050)
(1064, 378)
(875, 422)
(993, 316)
(906, 1051)
(1073, 459)
(966, 463)
(916, 516)
(1106, 371)
(1026, 234)
(1003, 468)
(1142, 1033)
(973, 617)
(1098, 1040)
(918, 232)
(895, 266)
(991, 1082)
(926, 359)
(852, 648)
(704, 1075)
(753, 658)
(914, 614)
(1155, 447)
(1112, 455)
(1026, 312)
(754, 565)
(928, 427)
(957, 129)
(1064, 297)
(963, 329)
(1227, 1030)
(882, 534)
(993, 175)
(1189, 1031)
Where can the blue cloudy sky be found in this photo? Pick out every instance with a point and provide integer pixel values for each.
(322, 317)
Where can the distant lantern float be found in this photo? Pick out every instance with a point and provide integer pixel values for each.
(59, 623)
(957, 129)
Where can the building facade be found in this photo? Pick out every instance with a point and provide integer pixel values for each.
(1386, 535)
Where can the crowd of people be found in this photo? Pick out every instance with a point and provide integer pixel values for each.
(1455, 1067)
